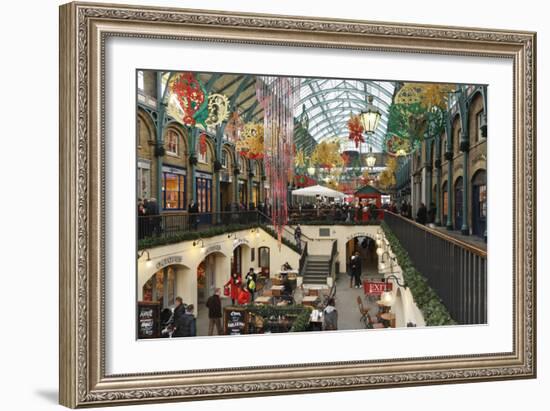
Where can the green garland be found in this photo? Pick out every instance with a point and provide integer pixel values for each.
(300, 312)
(427, 300)
(193, 235)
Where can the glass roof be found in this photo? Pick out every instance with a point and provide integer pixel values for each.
(330, 102)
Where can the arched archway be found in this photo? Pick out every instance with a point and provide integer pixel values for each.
(366, 247)
(212, 273)
(165, 284)
(240, 258)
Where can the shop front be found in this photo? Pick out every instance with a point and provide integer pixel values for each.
(174, 188)
(204, 195)
(479, 203)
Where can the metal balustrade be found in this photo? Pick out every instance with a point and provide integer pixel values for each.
(457, 271)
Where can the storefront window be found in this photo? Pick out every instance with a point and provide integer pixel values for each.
(263, 255)
(172, 143)
(161, 287)
(204, 194)
(174, 187)
(483, 201)
(224, 159)
(144, 180)
(479, 135)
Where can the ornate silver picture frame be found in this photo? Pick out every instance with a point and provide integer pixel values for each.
(84, 29)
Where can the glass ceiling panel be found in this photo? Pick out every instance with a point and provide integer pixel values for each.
(329, 103)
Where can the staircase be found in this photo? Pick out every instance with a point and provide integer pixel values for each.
(317, 269)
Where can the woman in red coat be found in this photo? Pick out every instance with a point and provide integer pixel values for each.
(234, 285)
(244, 296)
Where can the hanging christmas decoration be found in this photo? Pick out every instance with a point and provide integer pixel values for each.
(397, 146)
(356, 130)
(386, 179)
(191, 97)
(278, 97)
(300, 159)
(234, 127)
(251, 141)
(327, 155)
(218, 110)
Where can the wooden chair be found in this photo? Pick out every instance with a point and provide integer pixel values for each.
(363, 311)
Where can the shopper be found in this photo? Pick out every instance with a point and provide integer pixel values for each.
(193, 211)
(330, 316)
(250, 281)
(356, 269)
(298, 237)
(422, 214)
(244, 296)
(234, 285)
(185, 324)
(214, 305)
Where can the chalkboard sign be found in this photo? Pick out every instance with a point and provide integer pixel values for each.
(235, 320)
(148, 319)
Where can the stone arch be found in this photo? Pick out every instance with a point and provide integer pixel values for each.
(144, 119)
(184, 283)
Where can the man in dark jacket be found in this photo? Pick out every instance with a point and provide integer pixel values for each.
(422, 214)
(185, 323)
(214, 304)
(193, 211)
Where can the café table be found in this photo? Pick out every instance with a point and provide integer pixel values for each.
(310, 300)
(277, 290)
(263, 300)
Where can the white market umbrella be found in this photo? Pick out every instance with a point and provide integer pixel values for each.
(317, 190)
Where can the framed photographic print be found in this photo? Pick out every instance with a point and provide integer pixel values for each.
(265, 191)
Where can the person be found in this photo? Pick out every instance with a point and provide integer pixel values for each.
(193, 211)
(185, 324)
(244, 296)
(330, 316)
(152, 210)
(422, 214)
(298, 237)
(234, 284)
(352, 265)
(286, 266)
(214, 305)
(431, 213)
(250, 280)
(356, 269)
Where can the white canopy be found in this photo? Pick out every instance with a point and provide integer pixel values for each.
(318, 191)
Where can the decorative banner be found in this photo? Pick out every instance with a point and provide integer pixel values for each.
(278, 97)
(356, 130)
(234, 127)
(251, 141)
(218, 110)
(191, 96)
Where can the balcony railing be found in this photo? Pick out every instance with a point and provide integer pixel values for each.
(177, 224)
(457, 271)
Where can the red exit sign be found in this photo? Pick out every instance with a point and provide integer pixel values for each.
(376, 287)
